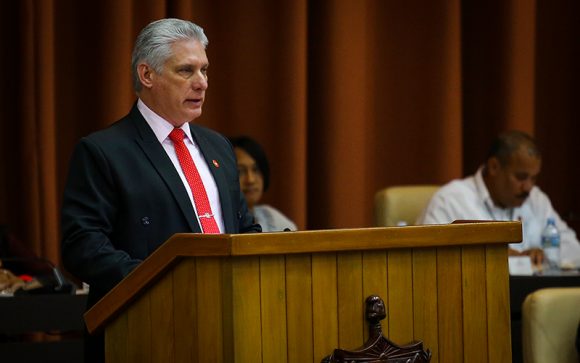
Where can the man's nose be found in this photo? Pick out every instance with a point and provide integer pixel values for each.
(200, 83)
(251, 177)
(528, 185)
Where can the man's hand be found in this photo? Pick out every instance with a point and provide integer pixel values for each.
(536, 255)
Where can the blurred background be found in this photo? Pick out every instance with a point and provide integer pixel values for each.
(347, 97)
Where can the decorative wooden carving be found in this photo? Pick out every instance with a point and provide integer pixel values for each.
(377, 348)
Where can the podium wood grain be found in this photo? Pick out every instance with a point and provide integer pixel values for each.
(299, 308)
(294, 297)
(425, 304)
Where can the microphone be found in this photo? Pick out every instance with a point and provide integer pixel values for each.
(54, 283)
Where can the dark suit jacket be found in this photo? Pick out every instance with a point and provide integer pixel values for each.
(124, 198)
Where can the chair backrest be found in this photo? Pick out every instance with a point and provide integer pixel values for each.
(549, 323)
(402, 204)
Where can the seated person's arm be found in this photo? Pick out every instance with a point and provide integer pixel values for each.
(536, 255)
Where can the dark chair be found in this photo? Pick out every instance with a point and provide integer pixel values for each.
(377, 348)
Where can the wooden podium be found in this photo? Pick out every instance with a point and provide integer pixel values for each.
(296, 296)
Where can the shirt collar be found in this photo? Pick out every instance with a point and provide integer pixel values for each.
(482, 190)
(161, 127)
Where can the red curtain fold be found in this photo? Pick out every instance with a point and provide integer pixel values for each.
(346, 97)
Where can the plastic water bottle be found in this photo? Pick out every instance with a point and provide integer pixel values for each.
(551, 244)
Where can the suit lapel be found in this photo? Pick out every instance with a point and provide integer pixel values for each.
(164, 167)
(210, 155)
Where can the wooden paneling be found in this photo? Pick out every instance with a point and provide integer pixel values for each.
(161, 313)
(425, 299)
(210, 306)
(375, 281)
(350, 300)
(116, 341)
(298, 307)
(185, 308)
(475, 312)
(139, 335)
(324, 304)
(498, 304)
(400, 297)
(362, 239)
(246, 306)
(273, 308)
(449, 305)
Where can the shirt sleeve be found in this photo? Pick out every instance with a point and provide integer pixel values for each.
(436, 212)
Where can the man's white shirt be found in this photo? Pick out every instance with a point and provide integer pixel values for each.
(162, 128)
(469, 199)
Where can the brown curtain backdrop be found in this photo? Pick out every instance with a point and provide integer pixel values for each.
(347, 97)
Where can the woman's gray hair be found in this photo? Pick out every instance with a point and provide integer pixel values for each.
(153, 45)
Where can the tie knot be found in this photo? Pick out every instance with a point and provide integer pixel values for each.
(177, 135)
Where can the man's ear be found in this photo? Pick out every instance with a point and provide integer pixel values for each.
(145, 75)
(493, 165)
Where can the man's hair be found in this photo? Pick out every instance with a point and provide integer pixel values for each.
(153, 44)
(509, 142)
(254, 149)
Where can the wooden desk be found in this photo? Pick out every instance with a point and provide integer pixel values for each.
(57, 314)
(520, 287)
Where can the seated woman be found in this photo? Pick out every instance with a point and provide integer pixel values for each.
(254, 181)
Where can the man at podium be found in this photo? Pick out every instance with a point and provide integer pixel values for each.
(151, 174)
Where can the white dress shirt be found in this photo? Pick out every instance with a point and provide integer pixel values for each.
(271, 219)
(469, 199)
(162, 129)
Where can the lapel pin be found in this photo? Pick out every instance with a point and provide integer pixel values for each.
(215, 163)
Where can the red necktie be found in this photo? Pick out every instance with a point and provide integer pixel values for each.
(208, 223)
